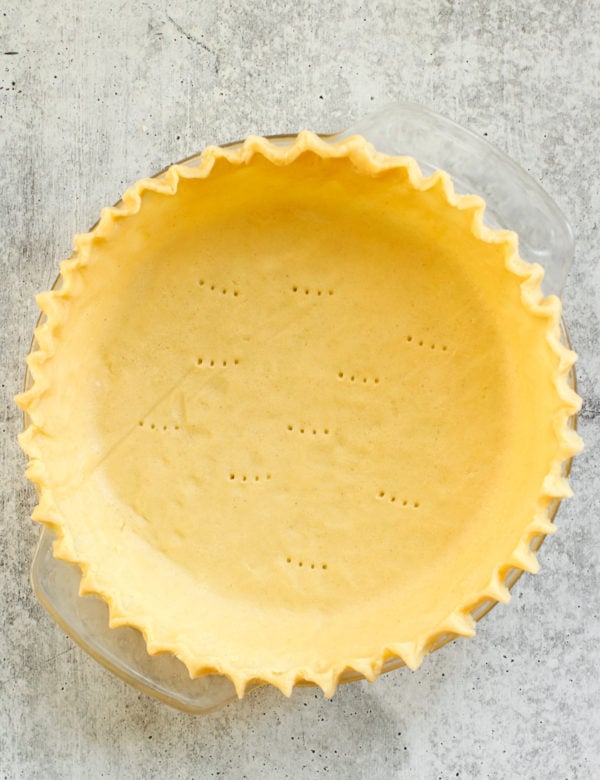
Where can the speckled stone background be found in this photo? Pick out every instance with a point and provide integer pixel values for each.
(95, 95)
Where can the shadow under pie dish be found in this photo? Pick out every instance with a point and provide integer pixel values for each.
(297, 410)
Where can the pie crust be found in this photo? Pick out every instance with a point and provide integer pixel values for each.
(297, 410)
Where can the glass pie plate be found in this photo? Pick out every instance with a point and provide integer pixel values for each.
(514, 200)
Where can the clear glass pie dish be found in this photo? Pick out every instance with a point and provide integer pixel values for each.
(514, 201)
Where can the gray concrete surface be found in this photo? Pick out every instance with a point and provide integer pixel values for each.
(95, 95)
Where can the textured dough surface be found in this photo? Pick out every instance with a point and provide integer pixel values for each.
(296, 413)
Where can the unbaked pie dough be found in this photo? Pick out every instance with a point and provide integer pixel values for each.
(296, 410)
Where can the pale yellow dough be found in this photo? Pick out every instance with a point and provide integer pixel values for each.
(296, 410)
